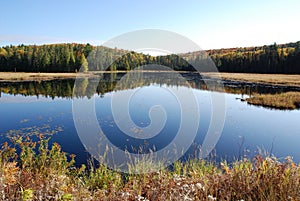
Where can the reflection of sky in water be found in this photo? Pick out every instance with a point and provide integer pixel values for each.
(141, 102)
(246, 127)
(6, 98)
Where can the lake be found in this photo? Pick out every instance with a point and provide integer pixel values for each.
(32, 108)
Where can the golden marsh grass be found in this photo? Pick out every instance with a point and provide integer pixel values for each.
(288, 100)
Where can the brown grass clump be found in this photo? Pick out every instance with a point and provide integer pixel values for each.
(46, 174)
(292, 80)
(288, 100)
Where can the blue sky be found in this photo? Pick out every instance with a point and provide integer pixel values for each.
(210, 23)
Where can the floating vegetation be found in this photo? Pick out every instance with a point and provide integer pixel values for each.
(136, 130)
(24, 121)
(44, 130)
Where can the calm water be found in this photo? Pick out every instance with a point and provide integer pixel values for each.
(30, 108)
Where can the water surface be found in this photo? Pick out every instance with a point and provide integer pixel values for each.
(30, 108)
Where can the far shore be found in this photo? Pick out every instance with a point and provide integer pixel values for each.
(32, 76)
(270, 79)
(24, 76)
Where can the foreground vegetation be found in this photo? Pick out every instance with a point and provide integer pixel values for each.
(288, 100)
(40, 172)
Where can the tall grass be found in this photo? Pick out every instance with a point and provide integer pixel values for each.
(288, 100)
(42, 172)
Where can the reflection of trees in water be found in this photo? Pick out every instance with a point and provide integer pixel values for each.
(53, 89)
(121, 81)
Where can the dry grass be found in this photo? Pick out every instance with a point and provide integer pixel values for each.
(48, 175)
(288, 100)
(272, 79)
(22, 76)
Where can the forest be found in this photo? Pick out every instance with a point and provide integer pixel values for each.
(283, 58)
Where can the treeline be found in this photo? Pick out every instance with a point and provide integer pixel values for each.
(71, 57)
(53, 58)
(274, 58)
(133, 60)
(44, 58)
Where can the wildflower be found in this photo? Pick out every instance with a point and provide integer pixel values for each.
(141, 198)
(125, 194)
(289, 159)
(210, 197)
(10, 173)
(192, 186)
(187, 198)
(225, 167)
(27, 194)
(200, 187)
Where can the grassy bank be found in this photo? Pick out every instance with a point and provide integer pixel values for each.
(289, 100)
(48, 175)
(271, 79)
(21, 76)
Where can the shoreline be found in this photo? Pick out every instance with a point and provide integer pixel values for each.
(32, 76)
(282, 101)
(24, 76)
(291, 80)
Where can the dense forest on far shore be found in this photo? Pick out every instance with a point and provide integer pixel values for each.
(284, 58)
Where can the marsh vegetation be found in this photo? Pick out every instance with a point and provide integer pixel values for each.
(288, 100)
(43, 172)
